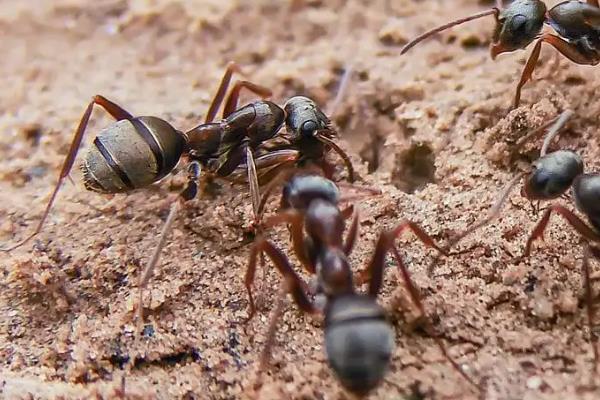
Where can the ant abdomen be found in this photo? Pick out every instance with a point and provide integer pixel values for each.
(358, 340)
(132, 154)
(586, 191)
(552, 175)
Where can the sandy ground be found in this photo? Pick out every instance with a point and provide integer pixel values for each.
(431, 129)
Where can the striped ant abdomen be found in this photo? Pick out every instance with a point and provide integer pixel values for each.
(132, 154)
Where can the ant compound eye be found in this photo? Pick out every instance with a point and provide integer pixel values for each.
(518, 25)
(308, 128)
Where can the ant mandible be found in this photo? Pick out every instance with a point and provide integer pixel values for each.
(549, 177)
(520, 23)
(358, 338)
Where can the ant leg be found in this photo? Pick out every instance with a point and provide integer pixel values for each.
(294, 219)
(590, 303)
(376, 269)
(527, 71)
(416, 298)
(352, 234)
(571, 218)
(259, 202)
(221, 91)
(297, 287)
(367, 190)
(232, 99)
(277, 312)
(117, 112)
(347, 212)
(253, 182)
(565, 48)
(276, 160)
(553, 68)
(188, 193)
(343, 155)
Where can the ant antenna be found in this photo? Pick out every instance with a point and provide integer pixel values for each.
(418, 39)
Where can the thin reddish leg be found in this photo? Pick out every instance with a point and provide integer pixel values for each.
(565, 48)
(573, 220)
(347, 212)
(221, 91)
(277, 312)
(234, 95)
(527, 71)
(416, 298)
(590, 303)
(281, 177)
(294, 219)
(368, 191)
(352, 235)
(297, 287)
(374, 272)
(117, 112)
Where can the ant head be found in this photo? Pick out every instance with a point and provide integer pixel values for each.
(586, 192)
(299, 191)
(358, 340)
(304, 119)
(518, 25)
(552, 175)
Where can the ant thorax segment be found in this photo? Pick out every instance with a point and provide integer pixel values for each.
(301, 190)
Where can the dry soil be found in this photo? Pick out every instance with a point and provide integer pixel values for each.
(432, 129)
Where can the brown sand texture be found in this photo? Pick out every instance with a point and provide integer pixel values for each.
(431, 129)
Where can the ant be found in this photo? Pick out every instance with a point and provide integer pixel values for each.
(520, 23)
(358, 338)
(135, 152)
(549, 177)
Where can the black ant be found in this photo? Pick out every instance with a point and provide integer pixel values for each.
(550, 177)
(358, 338)
(520, 23)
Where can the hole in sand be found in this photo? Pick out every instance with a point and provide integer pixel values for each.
(415, 168)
